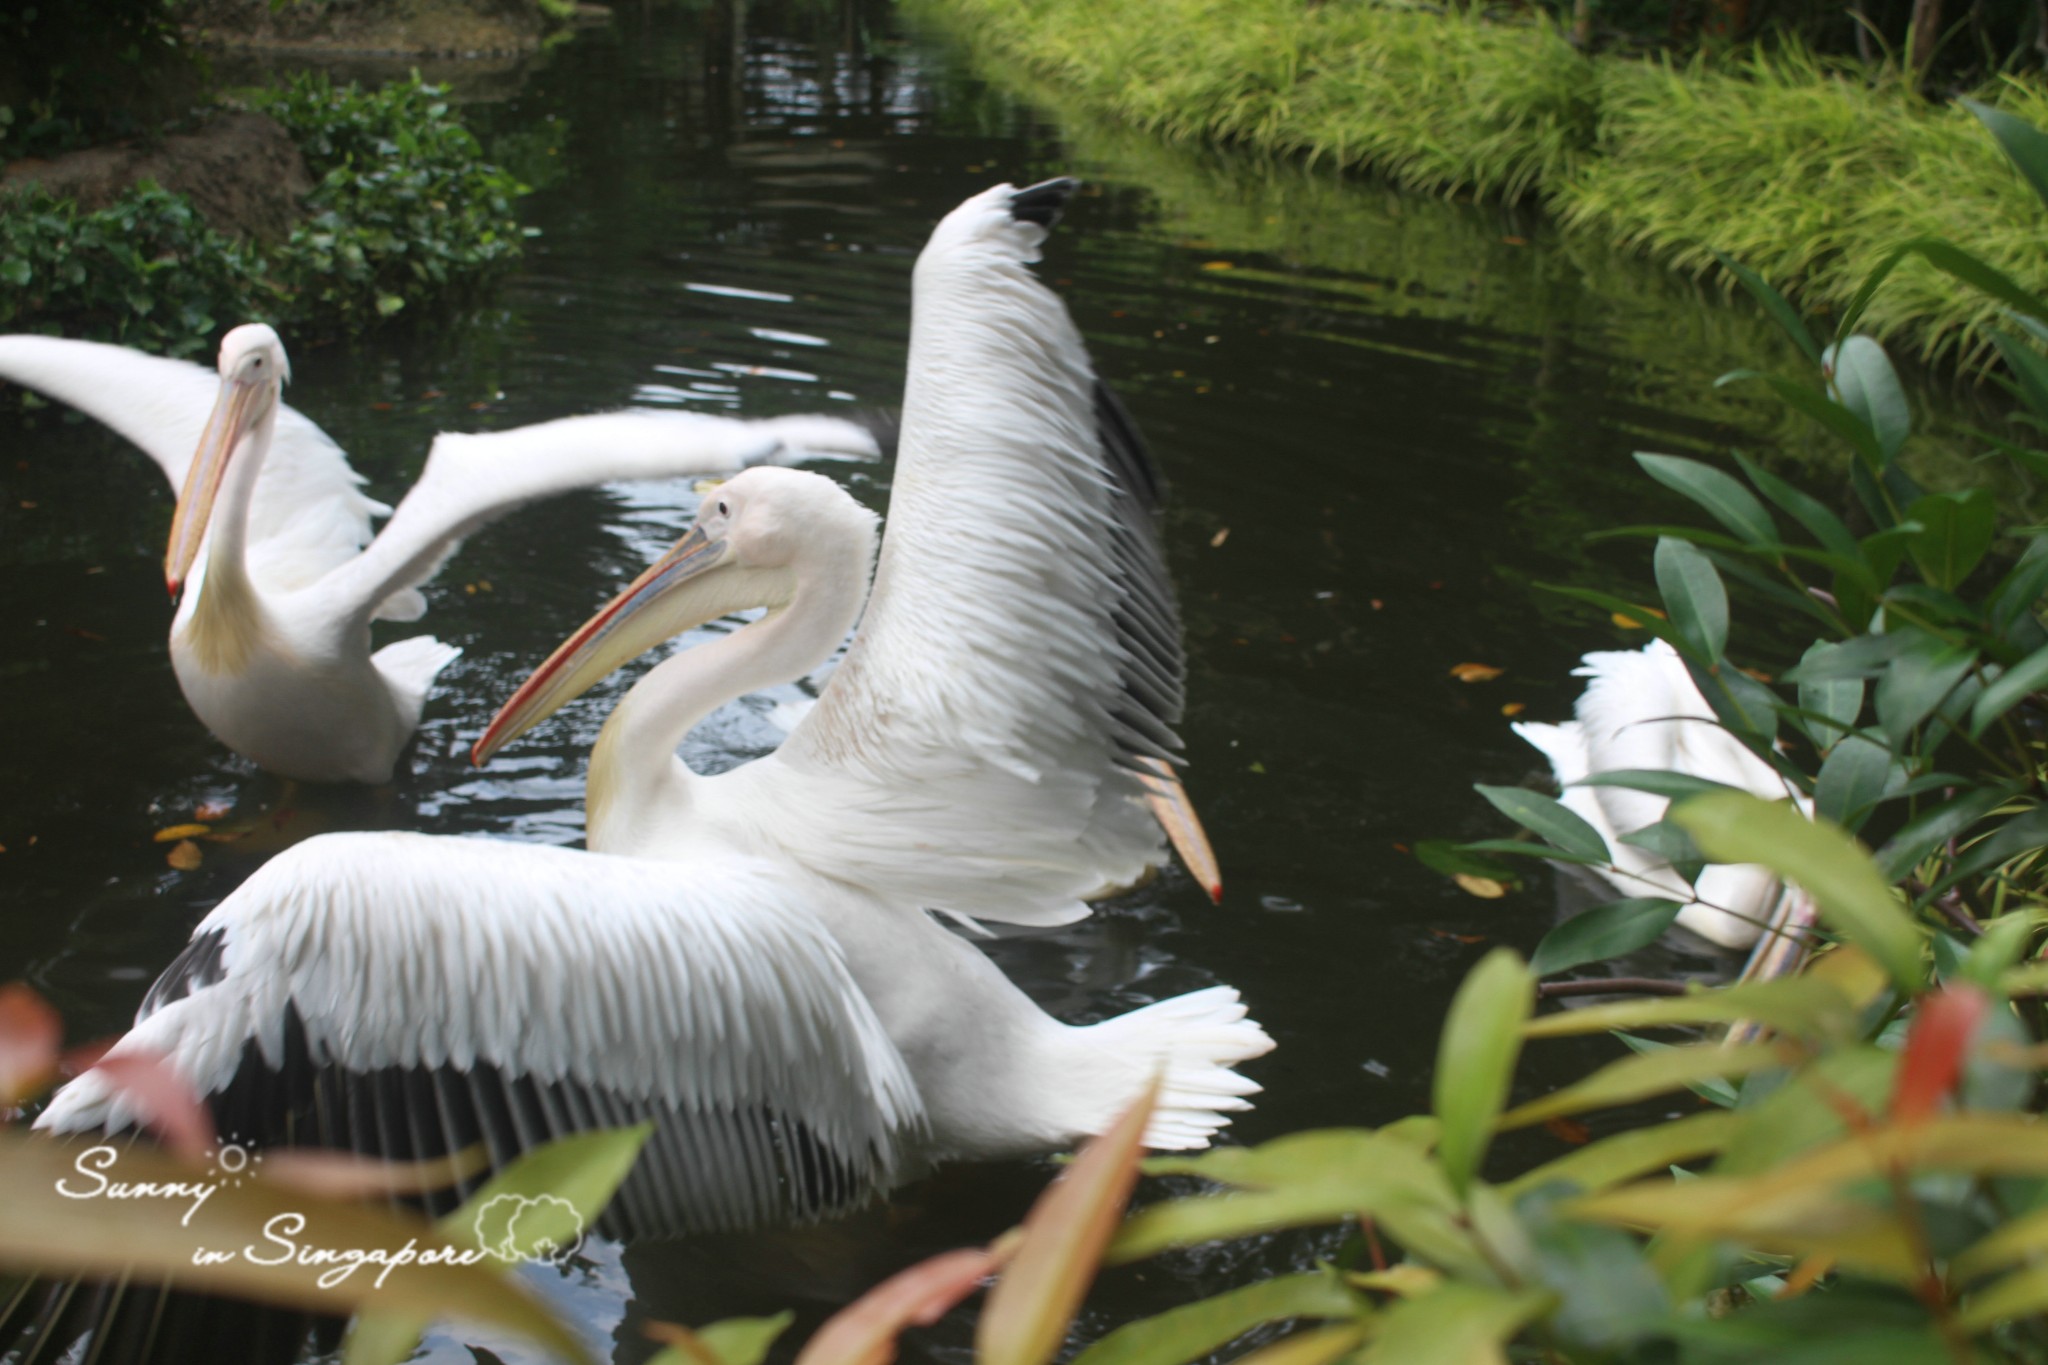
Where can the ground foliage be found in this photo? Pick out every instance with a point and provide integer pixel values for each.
(1810, 168)
(405, 213)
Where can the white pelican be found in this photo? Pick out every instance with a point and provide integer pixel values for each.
(271, 642)
(1643, 710)
(803, 1029)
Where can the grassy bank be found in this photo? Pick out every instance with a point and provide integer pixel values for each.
(1806, 172)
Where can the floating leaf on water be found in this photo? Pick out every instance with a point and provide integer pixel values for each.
(173, 833)
(29, 1034)
(1513, 708)
(1219, 265)
(184, 856)
(1486, 888)
(1568, 1130)
(1472, 673)
(1216, 541)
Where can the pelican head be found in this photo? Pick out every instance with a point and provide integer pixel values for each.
(253, 370)
(754, 538)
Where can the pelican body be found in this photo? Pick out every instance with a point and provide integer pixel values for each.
(272, 556)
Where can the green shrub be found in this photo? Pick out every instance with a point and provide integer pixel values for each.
(404, 212)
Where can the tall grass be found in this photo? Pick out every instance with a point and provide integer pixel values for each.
(1806, 170)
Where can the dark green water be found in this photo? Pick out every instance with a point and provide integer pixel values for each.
(1383, 421)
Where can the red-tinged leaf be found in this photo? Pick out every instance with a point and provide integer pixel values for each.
(865, 1331)
(348, 1175)
(1936, 1046)
(30, 1033)
(167, 1102)
(1065, 1233)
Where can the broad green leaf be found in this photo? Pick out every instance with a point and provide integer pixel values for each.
(1694, 596)
(1934, 827)
(556, 1191)
(2008, 690)
(1850, 1324)
(1441, 855)
(1916, 682)
(1458, 1324)
(1313, 1155)
(1387, 1175)
(1528, 848)
(1867, 385)
(1866, 656)
(1667, 841)
(1988, 279)
(1820, 522)
(1657, 781)
(2022, 1294)
(1643, 1075)
(44, 1231)
(1774, 303)
(1839, 700)
(1838, 419)
(2025, 145)
(1800, 1006)
(731, 1341)
(1852, 780)
(1603, 932)
(1317, 1346)
(2020, 834)
(1809, 1108)
(1194, 1330)
(1768, 1214)
(2019, 593)
(1475, 1062)
(1636, 1152)
(2005, 938)
(1548, 819)
(1608, 1296)
(1726, 500)
(1821, 859)
(1956, 531)
(1026, 1316)
(1745, 707)
(1712, 1089)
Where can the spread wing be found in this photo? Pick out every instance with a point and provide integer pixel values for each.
(1020, 661)
(473, 478)
(309, 513)
(405, 996)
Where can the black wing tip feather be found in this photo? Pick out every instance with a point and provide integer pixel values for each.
(1043, 203)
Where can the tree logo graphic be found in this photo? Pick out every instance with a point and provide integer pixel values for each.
(513, 1227)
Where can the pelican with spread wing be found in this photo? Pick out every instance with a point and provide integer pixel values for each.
(272, 545)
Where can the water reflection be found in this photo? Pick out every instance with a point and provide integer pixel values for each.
(1382, 423)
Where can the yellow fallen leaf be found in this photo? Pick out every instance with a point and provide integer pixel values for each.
(185, 856)
(1486, 888)
(1627, 622)
(1216, 541)
(1513, 708)
(1219, 265)
(173, 833)
(1472, 673)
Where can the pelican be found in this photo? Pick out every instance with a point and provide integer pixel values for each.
(271, 543)
(749, 959)
(1642, 710)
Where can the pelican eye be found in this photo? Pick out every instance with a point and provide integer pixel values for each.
(723, 510)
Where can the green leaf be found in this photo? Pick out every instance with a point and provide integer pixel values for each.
(1868, 386)
(1916, 682)
(1821, 523)
(1835, 703)
(1194, 1330)
(2005, 939)
(1603, 932)
(1956, 531)
(2025, 145)
(1694, 596)
(1549, 819)
(1775, 305)
(1656, 781)
(1608, 1296)
(1476, 1059)
(1806, 1110)
(1821, 859)
(1526, 848)
(1862, 657)
(2011, 687)
(1813, 403)
(1441, 855)
(1745, 707)
(1633, 1153)
(1801, 1006)
(557, 1190)
(2029, 371)
(1727, 501)
(731, 1341)
(2016, 597)
(1454, 1324)
(1668, 842)
(1852, 780)
(1933, 828)
(1640, 1076)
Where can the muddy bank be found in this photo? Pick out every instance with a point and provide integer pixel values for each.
(452, 28)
